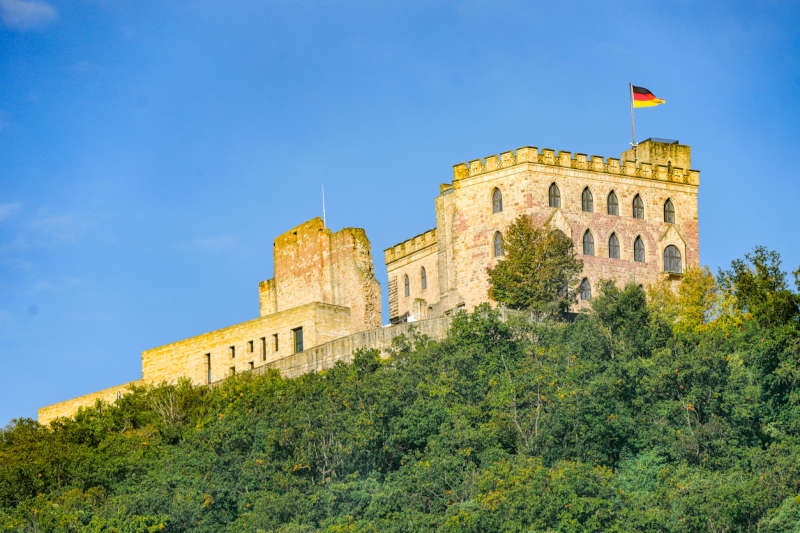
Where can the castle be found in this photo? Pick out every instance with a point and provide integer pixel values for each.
(632, 219)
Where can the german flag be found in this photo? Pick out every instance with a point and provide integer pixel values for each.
(644, 98)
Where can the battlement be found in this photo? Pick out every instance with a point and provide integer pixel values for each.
(563, 158)
(409, 246)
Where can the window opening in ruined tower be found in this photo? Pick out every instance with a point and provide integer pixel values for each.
(208, 368)
(233, 370)
(586, 289)
(263, 348)
(669, 212)
(613, 204)
(638, 250)
(497, 201)
(406, 286)
(275, 341)
(588, 243)
(672, 259)
(613, 246)
(423, 278)
(297, 334)
(252, 365)
(250, 346)
(587, 202)
(638, 207)
(554, 196)
(233, 352)
(498, 244)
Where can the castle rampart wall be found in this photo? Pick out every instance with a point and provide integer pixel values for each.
(68, 408)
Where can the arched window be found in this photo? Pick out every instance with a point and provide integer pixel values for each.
(554, 196)
(613, 246)
(638, 250)
(498, 244)
(672, 259)
(587, 202)
(669, 212)
(406, 286)
(588, 243)
(613, 204)
(638, 207)
(423, 278)
(585, 289)
(497, 201)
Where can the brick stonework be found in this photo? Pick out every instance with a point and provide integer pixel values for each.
(461, 244)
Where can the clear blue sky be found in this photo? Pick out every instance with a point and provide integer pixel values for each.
(150, 151)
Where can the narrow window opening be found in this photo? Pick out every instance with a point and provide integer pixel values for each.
(554, 196)
(208, 368)
(613, 246)
(672, 259)
(298, 339)
(613, 203)
(406, 286)
(250, 346)
(498, 244)
(497, 201)
(423, 278)
(233, 352)
(638, 250)
(275, 341)
(588, 243)
(587, 201)
(263, 348)
(233, 371)
(252, 365)
(669, 212)
(586, 289)
(638, 207)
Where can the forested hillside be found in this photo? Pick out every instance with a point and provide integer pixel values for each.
(673, 412)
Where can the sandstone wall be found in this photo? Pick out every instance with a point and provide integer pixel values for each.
(244, 346)
(408, 259)
(68, 408)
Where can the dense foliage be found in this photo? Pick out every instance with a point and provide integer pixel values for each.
(679, 415)
(538, 271)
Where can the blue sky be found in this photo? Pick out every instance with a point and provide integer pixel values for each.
(151, 151)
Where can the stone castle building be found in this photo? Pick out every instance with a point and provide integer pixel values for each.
(631, 219)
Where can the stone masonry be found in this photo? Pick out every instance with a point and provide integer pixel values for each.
(456, 254)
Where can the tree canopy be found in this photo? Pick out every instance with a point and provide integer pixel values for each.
(538, 271)
(678, 413)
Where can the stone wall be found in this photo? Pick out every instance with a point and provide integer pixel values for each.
(466, 223)
(244, 346)
(408, 259)
(70, 407)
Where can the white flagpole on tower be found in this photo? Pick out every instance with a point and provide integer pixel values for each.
(324, 224)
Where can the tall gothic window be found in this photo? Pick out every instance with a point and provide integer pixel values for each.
(554, 196)
(669, 212)
(497, 201)
(613, 246)
(406, 285)
(585, 289)
(423, 278)
(613, 204)
(587, 202)
(638, 250)
(498, 244)
(588, 243)
(672, 259)
(638, 207)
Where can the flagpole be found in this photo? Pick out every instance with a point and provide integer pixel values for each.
(633, 132)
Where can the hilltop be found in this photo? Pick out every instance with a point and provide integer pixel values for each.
(677, 412)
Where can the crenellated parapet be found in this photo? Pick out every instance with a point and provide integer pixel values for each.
(409, 246)
(563, 158)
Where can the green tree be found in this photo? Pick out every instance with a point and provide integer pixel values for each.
(538, 271)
